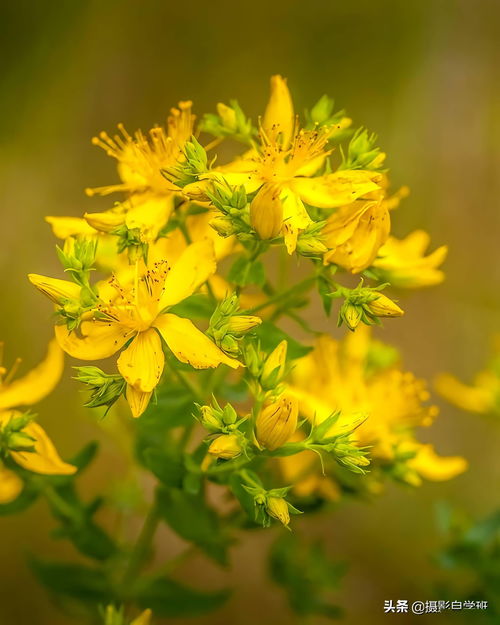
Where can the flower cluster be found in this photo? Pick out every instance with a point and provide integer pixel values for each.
(176, 281)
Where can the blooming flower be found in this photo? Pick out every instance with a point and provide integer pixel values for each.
(137, 316)
(31, 388)
(335, 376)
(403, 263)
(285, 161)
(141, 159)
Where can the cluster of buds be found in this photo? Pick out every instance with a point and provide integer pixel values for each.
(227, 327)
(188, 170)
(230, 442)
(364, 304)
(268, 371)
(322, 114)
(104, 389)
(230, 121)
(232, 204)
(77, 258)
(362, 152)
(12, 436)
(310, 241)
(271, 504)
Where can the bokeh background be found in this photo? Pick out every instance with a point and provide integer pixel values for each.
(423, 74)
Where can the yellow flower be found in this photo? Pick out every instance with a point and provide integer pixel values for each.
(355, 233)
(335, 377)
(403, 263)
(276, 423)
(287, 157)
(226, 446)
(26, 391)
(141, 159)
(482, 397)
(138, 316)
(435, 468)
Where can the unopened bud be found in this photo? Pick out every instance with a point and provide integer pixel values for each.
(383, 306)
(106, 221)
(240, 324)
(277, 422)
(226, 447)
(274, 367)
(351, 315)
(266, 212)
(277, 507)
(223, 226)
(227, 115)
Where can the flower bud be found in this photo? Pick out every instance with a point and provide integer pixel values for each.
(223, 226)
(266, 212)
(240, 324)
(226, 447)
(277, 507)
(227, 115)
(210, 419)
(382, 306)
(276, 423)
(351, 315)
(274, 367)
(59, 291)
(106, 221)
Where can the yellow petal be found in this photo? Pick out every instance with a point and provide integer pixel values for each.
(106, 221)
(190, 345)
(93, 340)
(64, 227)
(57, 290)
(44, 459)
(334, 190)
(38, 383)
(194, 266)
(295, 219)
(437, 468)
(279, 116)
(468, 398)
(149, 214)
(143, 619)
(141, 364)
(10, 485)
(137, 400)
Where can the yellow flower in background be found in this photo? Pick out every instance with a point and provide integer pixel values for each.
(143, 619)
(26, 391)
(403, 263)
(284, 163)
(480, 397)
(337, 377)
(137, 316)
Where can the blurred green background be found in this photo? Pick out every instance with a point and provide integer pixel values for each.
(423, 74)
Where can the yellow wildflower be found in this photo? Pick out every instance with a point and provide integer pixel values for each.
(287, 158)
(334, 377)
(403, 263)
(139, 312)
(26, 391)
(141, 159)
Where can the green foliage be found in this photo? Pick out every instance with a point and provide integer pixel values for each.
(170, 599)
(245, 271)
(306, 574)
(270, 336)
(191, 518)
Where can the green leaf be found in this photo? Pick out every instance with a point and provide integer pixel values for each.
(270, 336)
(244, 271)
(170, 599)
(168, 467)
(245, 498)
(89, 585)
(306, 574)
(192, 519)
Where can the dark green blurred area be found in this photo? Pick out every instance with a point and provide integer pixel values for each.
(423, 74)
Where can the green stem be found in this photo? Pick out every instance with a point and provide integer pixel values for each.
(141, 548)
(298, 288)
(185, 381)
(59, 504)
